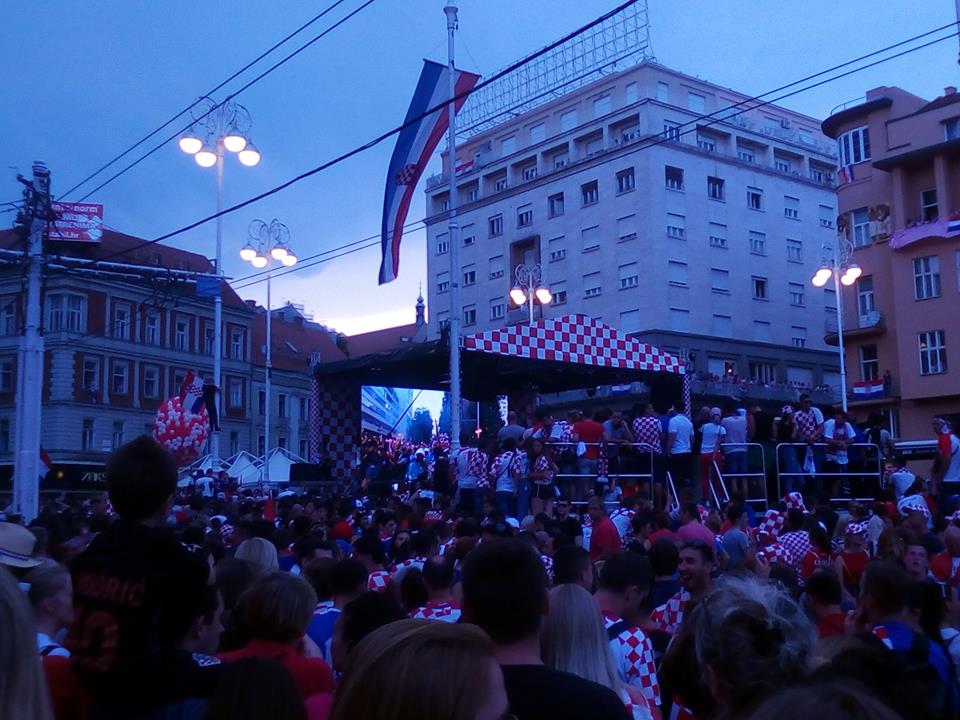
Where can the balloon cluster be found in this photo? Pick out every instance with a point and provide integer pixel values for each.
(181, 431)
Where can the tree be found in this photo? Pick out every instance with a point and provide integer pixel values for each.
(420, 426)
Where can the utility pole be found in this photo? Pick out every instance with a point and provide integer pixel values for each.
(453, 233)
(26, 474)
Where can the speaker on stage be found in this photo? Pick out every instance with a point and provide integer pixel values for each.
(305, 473)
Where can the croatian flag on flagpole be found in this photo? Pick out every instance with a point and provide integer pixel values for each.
(191, 393)
(415, 145)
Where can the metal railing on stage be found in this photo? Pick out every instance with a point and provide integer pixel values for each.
(637, 451)
(867, 469)
(751, 450)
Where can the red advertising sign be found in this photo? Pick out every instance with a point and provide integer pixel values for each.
(76, 222)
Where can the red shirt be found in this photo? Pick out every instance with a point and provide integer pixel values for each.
(591, 433)
(662, 534)
(854, 563)
(312, 675)
(604, 540)
(831, 625)
(813, 560)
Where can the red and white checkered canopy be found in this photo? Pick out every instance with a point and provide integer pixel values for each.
(575, 339)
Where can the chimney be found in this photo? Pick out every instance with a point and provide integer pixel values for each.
(950, 90)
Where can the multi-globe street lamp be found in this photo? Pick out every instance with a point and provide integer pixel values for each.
(268, 245)
(529, 287)
(218, 128)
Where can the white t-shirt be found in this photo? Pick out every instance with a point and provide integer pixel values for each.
(829, 428)
(464, 478)
(711, 433)
(902, 480)
(681, 425)
(953, 469)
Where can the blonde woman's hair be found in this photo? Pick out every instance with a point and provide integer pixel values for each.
(417, 670)
(260, 552)
(573, 638)
(23, 690)
(278, 607)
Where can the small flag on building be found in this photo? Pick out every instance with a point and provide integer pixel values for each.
(953, 223)
(415, 145)
(208, 286)
(868, 389)
(191, 393)
(846, 174)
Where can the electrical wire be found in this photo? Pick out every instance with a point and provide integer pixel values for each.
(209, 93)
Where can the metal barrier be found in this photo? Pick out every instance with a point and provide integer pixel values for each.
(645, 450)
(749, 447)
(796, 470)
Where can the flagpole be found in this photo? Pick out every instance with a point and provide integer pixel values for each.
(453, 234)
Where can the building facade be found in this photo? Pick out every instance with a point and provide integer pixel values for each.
(646, 214)
(901, 156)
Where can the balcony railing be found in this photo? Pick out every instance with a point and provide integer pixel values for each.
(778, 392)
(871, 320)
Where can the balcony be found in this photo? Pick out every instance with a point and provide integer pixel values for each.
(881, 390)
(753, 390)
(867, 325)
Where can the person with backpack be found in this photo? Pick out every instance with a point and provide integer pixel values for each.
(882, 612)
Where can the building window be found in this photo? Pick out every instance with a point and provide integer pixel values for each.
(508, 146)
(629, 276)
(677, 273)
(151, 381)
(5, 435)
(696, 102)
(722, 325)
(443, 282)
(663, 92)
(791, 207)
(926, 277)
(673, 177)
(179, 377)
(496, 267)
(568, 120)
(933, 352)
(120, 379)
(234, 442)
(928, 205)
(826, 216)
(671, 130)
(759, 285)
(869, 363)
(589, 193)
(117, 435)
(560, 160)
(262, 403)
(715, 188)
(495, 226)
(951, 129)
(798, 336)
(865, 300)
(86, 434)
(854, 146)
(469, 237)
(781, 164)
(591, 285)
(530, 172)
(473, 194)
(761, 331)
(236, 393)
(796, 291)
(281, 405)
(6, 376)
(676, 226)
(538, 133)
(8, 317)
(794, 251)
(706, 142)
(860, 220)
(630, 93)
(236, 343)
(626, 180)
(470, 315)
(555, 205)
(590, 238)
(746, 154)
(67, 312)
(593, 147)
(498, 309)
(630, 321)
(720, 281)
(524, 216)
(559, 292)
(718, 235)
(121, 321)
(443, 244)
(627, 228)
(758, 243)
(679, 320)
(469, 275)
(181, 336)
(602, 106)
(755, 198)
(556, 249)
(762, 372)
(304, 408)
(91, 375)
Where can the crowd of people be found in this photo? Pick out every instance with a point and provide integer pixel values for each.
(158, 602)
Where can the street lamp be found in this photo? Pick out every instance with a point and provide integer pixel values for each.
(838, 264)
(261, 248)
(218, 127)
(529, 287)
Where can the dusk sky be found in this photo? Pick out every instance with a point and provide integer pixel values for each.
(85, 80)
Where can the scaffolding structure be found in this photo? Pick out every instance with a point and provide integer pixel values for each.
(619, 42)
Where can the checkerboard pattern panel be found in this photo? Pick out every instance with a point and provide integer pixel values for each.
(335, 423)
(575, 339)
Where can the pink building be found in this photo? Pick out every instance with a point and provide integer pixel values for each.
(898, 205)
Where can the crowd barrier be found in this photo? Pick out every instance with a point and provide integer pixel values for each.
(637, 455)
(864, 469)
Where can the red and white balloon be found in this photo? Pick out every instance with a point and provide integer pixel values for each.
(181, 431)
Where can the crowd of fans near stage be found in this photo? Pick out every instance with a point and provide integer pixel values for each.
(544, 571)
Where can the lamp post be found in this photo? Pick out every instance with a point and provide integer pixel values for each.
(268, 245)
(529, 287)
(837, 263)
(218, 128)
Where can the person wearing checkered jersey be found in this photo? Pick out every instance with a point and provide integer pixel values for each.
(697, 561)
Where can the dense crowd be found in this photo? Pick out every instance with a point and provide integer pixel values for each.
(442, 597)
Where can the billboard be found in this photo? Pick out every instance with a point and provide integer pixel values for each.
(76, 222)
